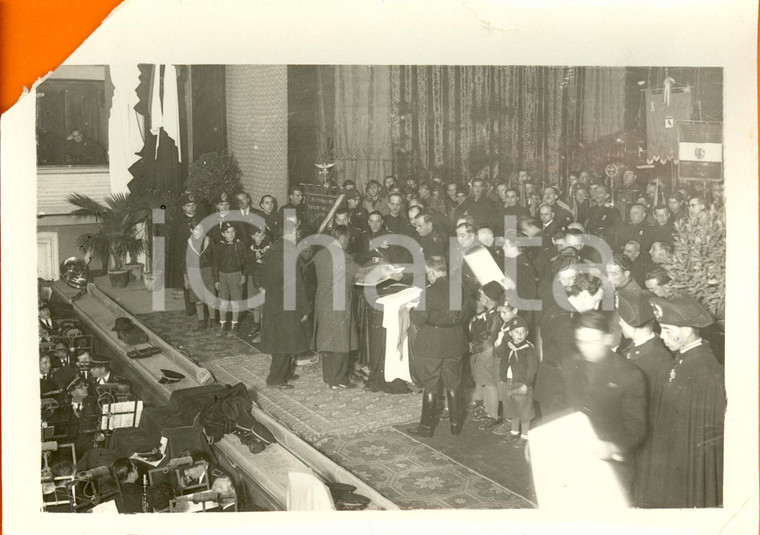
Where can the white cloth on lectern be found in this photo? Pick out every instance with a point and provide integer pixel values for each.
(307, 493)
(396, 323)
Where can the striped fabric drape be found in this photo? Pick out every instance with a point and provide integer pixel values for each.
(460, 122)
(362, 123)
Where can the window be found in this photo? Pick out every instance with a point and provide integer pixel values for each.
(72, 123)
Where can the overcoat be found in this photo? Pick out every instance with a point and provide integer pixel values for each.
(282, 331)
(334, 328)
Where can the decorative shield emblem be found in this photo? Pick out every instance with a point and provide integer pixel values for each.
(699, 152)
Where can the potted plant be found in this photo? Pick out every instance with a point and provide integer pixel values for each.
(141, 212)
(213, 173)
(118, 235)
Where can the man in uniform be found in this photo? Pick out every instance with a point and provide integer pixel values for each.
(180, 231)
(550, 225)
(677, 207)
(646, 351)
(373, 200)
(663, 230)
(83, 415)
(619, 273)
(397, 223)
(356, 245)
(637, 228)
(478, 206)
(603, 218)
(510, 207)
(439, 346)
(561, 210)
(431, 242)
(639, 263)
(425, 195)
(295, 202)
(450, 200)
(222, 202)
(357, 215)
(100, 368)
(381, 254)
(685, 467)
(631, 188)
(273, 218)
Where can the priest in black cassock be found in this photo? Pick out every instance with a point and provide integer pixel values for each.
(684, 464)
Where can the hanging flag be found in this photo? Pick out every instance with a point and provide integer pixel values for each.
(159, 169)
(164, 110)
(156, 109)
(662, 117)
(700, 151)
(171, 107)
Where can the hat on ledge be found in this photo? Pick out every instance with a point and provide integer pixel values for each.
(123, 324)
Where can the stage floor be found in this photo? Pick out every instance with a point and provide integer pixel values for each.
(361, 430)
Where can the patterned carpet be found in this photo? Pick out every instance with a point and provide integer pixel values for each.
(354, 428)
(312, 410)
(176, 328)
(416, 476)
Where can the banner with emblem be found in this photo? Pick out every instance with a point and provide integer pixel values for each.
(663, 114)
(700, 151)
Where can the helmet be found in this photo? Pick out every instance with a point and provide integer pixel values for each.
(74, 273)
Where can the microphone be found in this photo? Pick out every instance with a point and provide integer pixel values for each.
(100, 471)
(198, 497)
(179, 462)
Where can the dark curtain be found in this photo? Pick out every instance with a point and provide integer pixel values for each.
(461, 122)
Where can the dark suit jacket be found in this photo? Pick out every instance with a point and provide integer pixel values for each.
(441, 332)
(613, 394)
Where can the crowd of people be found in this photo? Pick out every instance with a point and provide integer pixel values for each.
(640, 370)
(650, 385)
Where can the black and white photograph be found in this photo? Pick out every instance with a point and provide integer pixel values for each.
(506, 287)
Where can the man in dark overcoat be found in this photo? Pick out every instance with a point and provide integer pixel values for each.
(284, 333)
(335, 334)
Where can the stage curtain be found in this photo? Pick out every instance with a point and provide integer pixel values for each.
(603, 95)
(461, 122)
(362, 123)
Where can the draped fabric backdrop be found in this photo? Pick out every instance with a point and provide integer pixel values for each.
(603, 101)
(362, 123)
(599, 110)
(460, 122)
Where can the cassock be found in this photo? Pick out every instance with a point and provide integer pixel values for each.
(683, 466)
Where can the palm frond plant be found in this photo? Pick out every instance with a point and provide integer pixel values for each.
(119, 234)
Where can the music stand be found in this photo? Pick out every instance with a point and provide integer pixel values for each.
(119, 415)
(187, 484)
(47, 479)
(110, 393)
